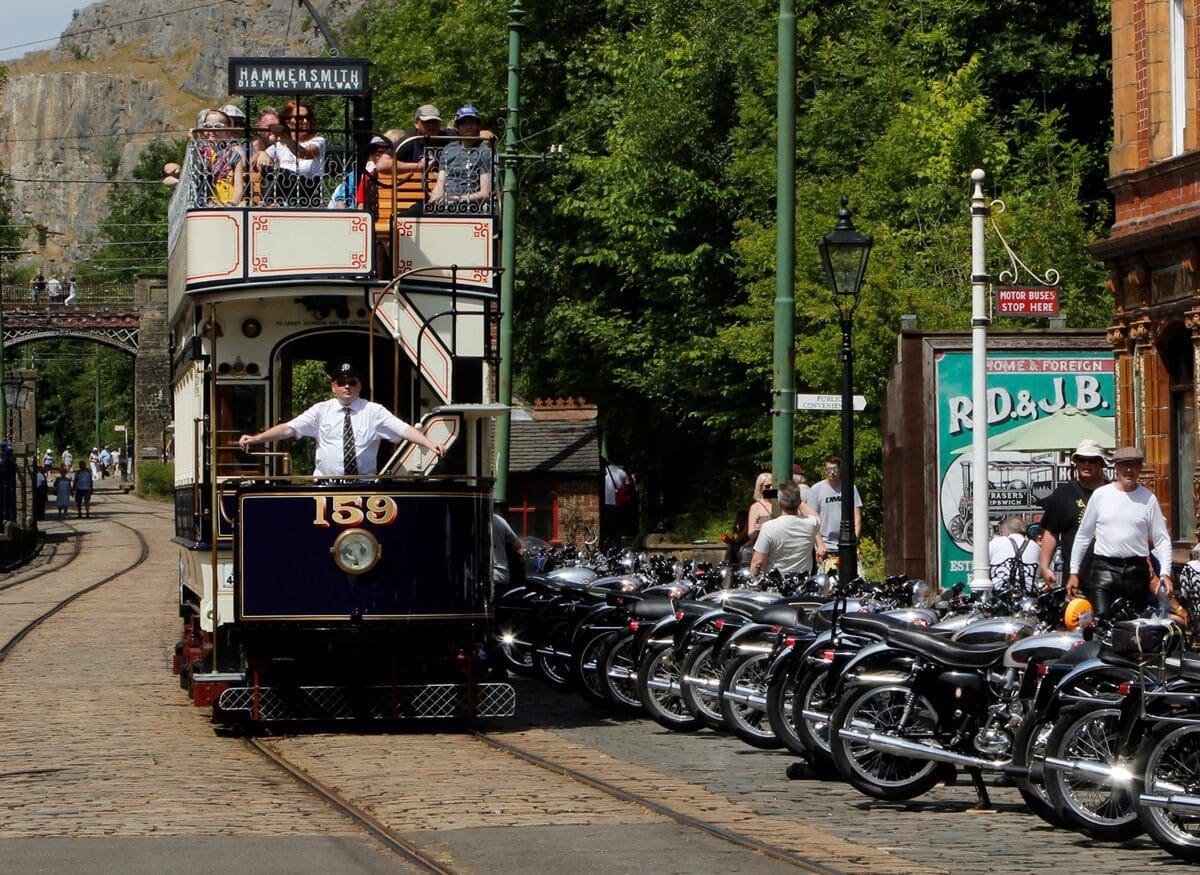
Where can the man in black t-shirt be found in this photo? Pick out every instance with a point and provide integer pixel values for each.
(1063, 509)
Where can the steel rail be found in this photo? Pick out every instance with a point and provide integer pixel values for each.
(51, 549)
(376, 828)
(143, 554)
(720, 832)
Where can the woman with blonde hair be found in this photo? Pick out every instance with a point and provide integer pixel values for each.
(760, 510)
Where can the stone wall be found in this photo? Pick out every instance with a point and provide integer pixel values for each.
(151, 372)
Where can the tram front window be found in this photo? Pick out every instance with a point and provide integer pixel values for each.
(240, 409)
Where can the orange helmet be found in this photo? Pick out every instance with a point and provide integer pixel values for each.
(1078, 614)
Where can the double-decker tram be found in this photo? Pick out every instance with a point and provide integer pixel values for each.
(348, 597)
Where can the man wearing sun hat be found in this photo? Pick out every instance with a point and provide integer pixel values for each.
(348, 429)
(1063, 509)
(1126, 523)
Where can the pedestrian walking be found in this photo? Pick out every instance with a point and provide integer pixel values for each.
(40, 493)
(62, 492)
(789, 541)
(1127, 524)
(83, 490)
(825, 496)
(67, 458)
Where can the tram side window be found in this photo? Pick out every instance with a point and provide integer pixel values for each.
(241, 409)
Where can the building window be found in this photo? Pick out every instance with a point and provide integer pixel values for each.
(1179, 78)
(533, 507)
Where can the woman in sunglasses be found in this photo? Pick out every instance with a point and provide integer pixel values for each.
(294, 158)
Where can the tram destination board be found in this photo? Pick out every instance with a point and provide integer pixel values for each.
(298, 76)
(1031, 301)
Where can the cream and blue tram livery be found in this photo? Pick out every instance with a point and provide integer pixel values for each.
(317, 598)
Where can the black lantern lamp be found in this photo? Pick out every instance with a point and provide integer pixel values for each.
(844, 252)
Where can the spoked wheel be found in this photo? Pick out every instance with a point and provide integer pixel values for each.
(744, 700)
(1103, 810)
(700, 686)
(780, 694)
(658, 687)
(893, 709)
(516, 652)
(619, 673)
(1029, 749)
(554, 667)
(588, 666)
(1169, 759)
(811, 707)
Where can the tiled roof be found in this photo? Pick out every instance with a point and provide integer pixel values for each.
(559, 447)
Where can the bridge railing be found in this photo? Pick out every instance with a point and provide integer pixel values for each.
(86, 295)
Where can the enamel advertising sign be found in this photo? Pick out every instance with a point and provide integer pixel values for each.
(1040, 405)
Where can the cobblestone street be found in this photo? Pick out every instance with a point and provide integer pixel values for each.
(106, 766)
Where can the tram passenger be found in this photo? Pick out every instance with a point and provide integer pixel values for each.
(222, 161)
(294, 160)
(410, 157)
(267, 116)
(351, 192)
(348, 429)
(465, 171)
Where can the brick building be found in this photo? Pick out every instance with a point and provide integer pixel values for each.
(1153, 251)
(554, 471)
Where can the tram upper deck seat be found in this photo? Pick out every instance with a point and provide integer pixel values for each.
(397, 194)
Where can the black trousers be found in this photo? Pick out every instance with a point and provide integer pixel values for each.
(1118, 578)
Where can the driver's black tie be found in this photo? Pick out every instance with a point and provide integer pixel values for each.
(349, 453)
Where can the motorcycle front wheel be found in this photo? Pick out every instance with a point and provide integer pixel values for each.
(1029, 749)
(744, 700)
(618, 673)
(700, 686)
(587, 667)
(658, 688)
(885, 709)
(780, 694)
(1169, 760)
(1102, 810)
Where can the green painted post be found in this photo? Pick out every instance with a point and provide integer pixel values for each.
(508, 249)
(784, 393)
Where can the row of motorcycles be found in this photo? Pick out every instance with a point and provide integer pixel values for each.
(894, 687)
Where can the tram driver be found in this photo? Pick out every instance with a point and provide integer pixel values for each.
(347, 428)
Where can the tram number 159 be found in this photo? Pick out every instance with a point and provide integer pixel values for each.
(353, 510)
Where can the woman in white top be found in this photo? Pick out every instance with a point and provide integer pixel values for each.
(298, 161)
(1126, 522)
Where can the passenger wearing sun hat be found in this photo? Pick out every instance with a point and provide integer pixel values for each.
(1126, 523)
(348, 428)
(1063, 509)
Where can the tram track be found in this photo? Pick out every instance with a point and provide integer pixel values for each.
(717, 831)
(27, 570)
(396, 843)
(427, 861)
(30, 626)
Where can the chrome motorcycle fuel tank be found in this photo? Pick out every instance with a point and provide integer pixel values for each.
(1040, 648)
(994, 629)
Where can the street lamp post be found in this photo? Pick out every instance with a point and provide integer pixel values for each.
(844, 252)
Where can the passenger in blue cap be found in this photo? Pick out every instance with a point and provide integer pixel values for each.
(464, 180)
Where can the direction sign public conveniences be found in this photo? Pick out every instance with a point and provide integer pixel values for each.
(827, 402)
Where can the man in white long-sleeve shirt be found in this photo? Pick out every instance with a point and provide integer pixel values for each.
(1127, 524)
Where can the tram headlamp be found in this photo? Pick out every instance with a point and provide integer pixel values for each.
(355, 551)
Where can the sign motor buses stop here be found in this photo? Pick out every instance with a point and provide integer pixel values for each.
(1026, 301)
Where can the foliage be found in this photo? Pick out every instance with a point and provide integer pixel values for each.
(155, 479)
(133, 232)
(71, 375)
(646, 261)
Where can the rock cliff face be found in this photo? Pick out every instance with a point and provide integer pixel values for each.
(122, 73)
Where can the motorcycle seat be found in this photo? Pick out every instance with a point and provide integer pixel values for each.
(781, 615)
(653, 609)
(954, 654)
(747, 603)
(875, 625)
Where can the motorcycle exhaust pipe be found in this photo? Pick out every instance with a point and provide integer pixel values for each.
(1101, 773)
(709, 684)
(756, 700)
(903, 747)
(1176, 803)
